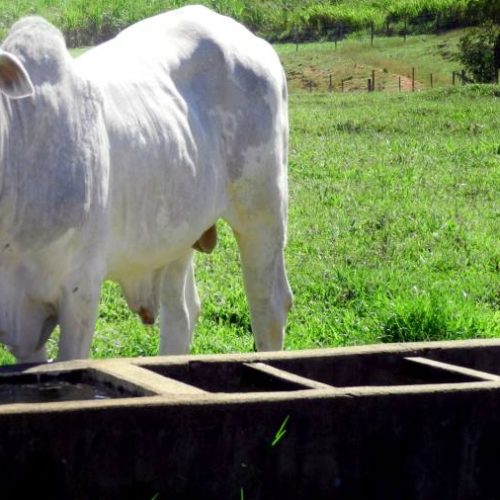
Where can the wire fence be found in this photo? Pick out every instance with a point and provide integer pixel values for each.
(378, 80)
(363, 78)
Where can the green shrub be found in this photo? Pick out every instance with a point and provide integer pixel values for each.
(480, 52)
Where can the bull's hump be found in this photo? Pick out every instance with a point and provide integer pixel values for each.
(41, 48)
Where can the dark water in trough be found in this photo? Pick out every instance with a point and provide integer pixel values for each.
(75, 385)
(45, 392)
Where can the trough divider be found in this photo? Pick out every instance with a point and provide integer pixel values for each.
(287, 376)
(469, 372)
(154, 383)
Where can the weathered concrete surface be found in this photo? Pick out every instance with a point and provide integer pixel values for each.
(432, 431)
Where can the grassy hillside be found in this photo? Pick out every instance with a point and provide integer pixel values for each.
(393, 229)
(309, 66)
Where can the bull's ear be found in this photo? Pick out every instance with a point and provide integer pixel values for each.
(14, 79)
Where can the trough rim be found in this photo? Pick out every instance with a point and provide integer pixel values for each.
(202, 398)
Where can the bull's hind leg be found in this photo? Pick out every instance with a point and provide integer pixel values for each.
(180, 306)
(266, 286)
(260, 230)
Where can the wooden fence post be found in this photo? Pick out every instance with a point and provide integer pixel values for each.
(413, 79)
(432, 85)
(330, 85)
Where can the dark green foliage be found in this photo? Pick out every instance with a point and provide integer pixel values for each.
(480, 52)
(483, 10)
(480, 48)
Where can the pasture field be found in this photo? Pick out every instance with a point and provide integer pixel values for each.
(393, 229)
(310, 65)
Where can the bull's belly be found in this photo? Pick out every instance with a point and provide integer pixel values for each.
(162, 200)
(143, 247)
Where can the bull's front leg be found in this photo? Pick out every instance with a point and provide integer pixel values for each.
(180, 306)
(77, 317)
(39, 356)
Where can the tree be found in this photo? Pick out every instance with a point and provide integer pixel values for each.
(480, 47)
(480, 52)
(485, 10)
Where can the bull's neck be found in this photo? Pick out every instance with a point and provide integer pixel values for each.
(5, 119)
(15, 127)
(4, 162)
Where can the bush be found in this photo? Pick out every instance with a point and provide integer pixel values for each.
(480, 52)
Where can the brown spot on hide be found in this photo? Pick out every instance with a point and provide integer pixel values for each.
(146, 317)
(207, 241)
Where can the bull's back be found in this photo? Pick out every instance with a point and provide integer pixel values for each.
(209, 59)
(187, 95)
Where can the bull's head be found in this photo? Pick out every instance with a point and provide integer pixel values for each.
(25, 322)
(15, 82)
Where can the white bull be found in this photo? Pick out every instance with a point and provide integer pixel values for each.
(114, 165)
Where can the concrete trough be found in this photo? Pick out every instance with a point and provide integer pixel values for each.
(400, 421)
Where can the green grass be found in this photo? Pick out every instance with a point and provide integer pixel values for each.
(399, 208)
